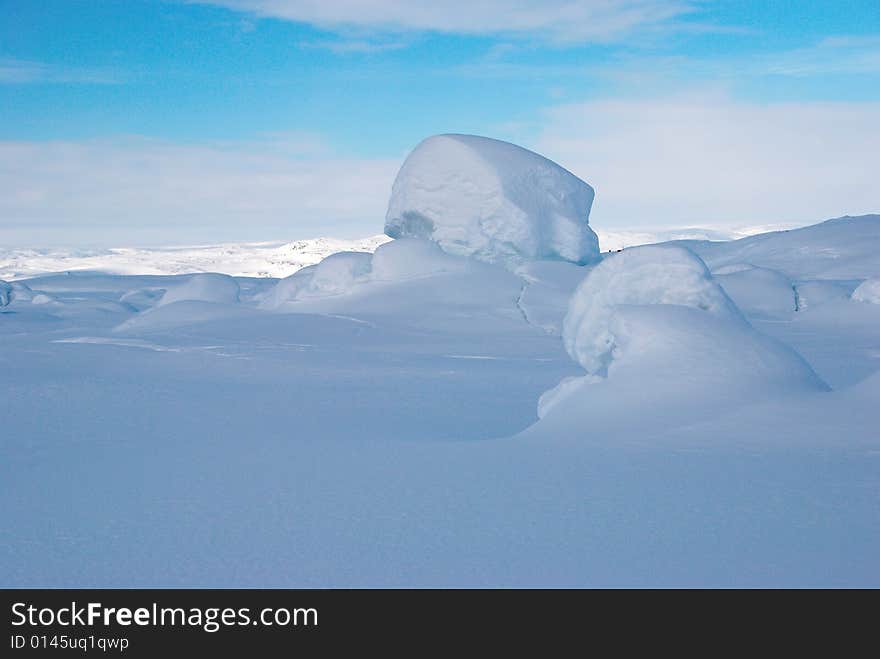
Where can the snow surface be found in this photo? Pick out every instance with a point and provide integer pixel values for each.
(492, 200)
(758, 291)
(843, 248)
(408, 258)
(388, 436)
(868, 291)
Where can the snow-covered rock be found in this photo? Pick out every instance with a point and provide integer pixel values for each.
(335, 275)
(760, 292)
(203, 288)
(492, 200)
(5, 293)
(656, 333)
(641, 276)
(868, 291)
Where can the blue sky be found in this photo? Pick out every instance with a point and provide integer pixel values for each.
(142, 121)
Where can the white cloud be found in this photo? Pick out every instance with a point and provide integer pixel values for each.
(353, 46)
(136, 190)
(702, 160)
(711, 161)
(567, 20)
(832, 55)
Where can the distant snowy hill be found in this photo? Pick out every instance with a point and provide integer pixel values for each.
(265, 259)
(272, 259)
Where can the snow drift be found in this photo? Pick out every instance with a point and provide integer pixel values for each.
(759, 292)
(640, 276)
(842, 248)
(409, 258)
(654, 331)
(203, 288)
(492, 200)
(334, 275)
(868, 291)
(5, 293)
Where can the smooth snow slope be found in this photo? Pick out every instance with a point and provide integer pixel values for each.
(387, 434)
(844, 248)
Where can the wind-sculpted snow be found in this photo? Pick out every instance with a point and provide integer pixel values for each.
(842, 248)
(492, 200)
(334, 275)
(641, 276)
(380, 429)
(203, 288)
(758, 291)
(408, 258)
(654, 323)
(339, 274)
(547, 288)
(868, 291)
(5, 293)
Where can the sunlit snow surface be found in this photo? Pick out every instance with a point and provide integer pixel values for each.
(375, 422)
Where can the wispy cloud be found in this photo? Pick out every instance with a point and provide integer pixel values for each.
(155, 191)
(707, 160)
(839, 54)
(556, 20)
(17, 71)
(353, 46)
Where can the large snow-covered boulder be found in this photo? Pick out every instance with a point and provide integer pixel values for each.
(208, 287)
(868, 291)
(639, 276)
(492, 200)
(656, 334)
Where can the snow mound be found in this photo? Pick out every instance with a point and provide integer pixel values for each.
(5, 293)
(676, 365)
(842, 248)
(335, 275)
(868, 291)
(547, 288)
(811, 294)
(410, 258)
(42, 298)
(655, 332)
(141, 298)
(492, 200)
(21, 291)
(758, 291)
(650, 275)
(203, 288)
